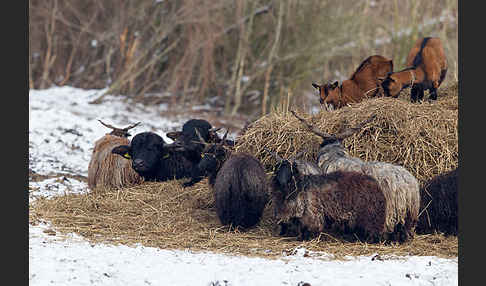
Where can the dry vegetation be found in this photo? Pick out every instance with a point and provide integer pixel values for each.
(421, 137)
(248, 56)
(168, 216)
(253, 57)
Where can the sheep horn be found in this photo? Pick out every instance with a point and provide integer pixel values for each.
(224, 137)
(350, 131)
(274, 154)
(121, 132)
(293, 158)
(312, 128)
(131, 126)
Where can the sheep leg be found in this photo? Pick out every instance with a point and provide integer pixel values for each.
(284, 227)
(304, 233)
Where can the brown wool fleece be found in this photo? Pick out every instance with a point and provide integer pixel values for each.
(107, 170)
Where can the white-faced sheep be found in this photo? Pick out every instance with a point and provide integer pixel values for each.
(400, 187)
(344, 203)
(107, 170)
(239, 184)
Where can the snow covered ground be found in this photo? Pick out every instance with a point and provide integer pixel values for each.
(62, 130)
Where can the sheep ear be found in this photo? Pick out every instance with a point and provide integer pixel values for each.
(315, 85)
(122, 150)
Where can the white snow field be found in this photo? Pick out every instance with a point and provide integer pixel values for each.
(63, 127)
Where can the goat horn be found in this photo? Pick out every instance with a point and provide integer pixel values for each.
(215, 129)
(312, 128)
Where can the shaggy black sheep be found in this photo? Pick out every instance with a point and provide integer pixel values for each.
(239, 183)
(342, 202)
(438, 206)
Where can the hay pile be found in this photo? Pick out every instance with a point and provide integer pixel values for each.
(167, 216)
(422, 137)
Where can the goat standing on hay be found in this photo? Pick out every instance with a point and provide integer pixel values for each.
(363, 83)
(239, 183)
(400, 187)
(341, 202)
(439, 204)
(106, 170)
(155, 160)
(426, 70)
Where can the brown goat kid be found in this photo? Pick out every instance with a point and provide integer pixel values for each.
(362, 83)
(107, 170)
(426, 70)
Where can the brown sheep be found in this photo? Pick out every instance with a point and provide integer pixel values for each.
(400, 187)
(362, 83)
(341, 202)
(439, 204)
(426, 70)
(107, 170)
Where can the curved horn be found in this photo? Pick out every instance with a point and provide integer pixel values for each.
(108, 125)
(312, 128)
(350, 131)
(274, 154)
(224, 137)
(121, 132)
(201, 139)
(215, 129)
(293, 158)
(131, 126)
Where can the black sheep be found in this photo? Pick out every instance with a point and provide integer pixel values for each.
(438, 204)
(339, 202)
(239, 183)
(155, 160)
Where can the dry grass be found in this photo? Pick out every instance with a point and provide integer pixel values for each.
(167, 216)
(422, 137)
